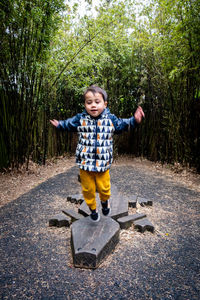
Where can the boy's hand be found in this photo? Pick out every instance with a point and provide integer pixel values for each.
(139, 114)
(54, 122)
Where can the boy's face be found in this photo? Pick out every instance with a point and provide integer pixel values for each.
(94, 104)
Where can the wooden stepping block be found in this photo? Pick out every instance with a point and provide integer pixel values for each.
(126, 222)
(73, 214)
(60, 220)
(91, 242)
(143, 225)
(77, 199)
(144, 201)
(132, 201)
(119, 205)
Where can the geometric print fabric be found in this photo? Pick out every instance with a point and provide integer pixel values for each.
(95, 146)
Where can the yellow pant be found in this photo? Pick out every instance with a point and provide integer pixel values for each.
(90, 181)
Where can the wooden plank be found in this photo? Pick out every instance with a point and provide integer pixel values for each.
(77, 198)
(91, 242)
(60, 220)
(132, 200)
(73, 214)
(143, 225)
(127, 221)
(144, 201)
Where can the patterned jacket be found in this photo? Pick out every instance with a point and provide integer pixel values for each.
(94, 151)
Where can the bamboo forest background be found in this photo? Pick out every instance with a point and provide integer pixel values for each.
(147, 54)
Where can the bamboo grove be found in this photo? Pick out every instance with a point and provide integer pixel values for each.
(146, 54)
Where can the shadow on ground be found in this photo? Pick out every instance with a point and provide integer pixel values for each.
(36, 260)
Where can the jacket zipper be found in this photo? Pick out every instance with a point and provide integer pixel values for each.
(96, 143)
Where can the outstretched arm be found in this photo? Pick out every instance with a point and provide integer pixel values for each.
(139, 114)
(123, 124)
(69, 124)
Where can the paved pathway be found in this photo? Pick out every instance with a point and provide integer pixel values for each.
(35, 260)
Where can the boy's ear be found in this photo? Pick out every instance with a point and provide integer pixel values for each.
(105, 103)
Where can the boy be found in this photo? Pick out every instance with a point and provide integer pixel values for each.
(96, 126)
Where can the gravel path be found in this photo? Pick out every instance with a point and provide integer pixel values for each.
(36, 261)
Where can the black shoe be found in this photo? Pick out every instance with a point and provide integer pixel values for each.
(94, 216)
(106, 210)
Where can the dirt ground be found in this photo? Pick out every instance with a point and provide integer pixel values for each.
(37, 261)
(15, 183)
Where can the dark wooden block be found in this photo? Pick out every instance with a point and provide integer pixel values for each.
(73, 214)
(144, 201)
(77, 199)
(119, 205)
(132, 200)
(91, 242)
(143, 225)
(53, 221)
(126, 222)
(60, 220)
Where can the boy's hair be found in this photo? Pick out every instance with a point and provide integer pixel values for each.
(96, 89)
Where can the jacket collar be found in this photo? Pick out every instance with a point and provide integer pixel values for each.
(102, 115)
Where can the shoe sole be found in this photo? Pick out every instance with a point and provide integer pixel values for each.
(97, 220)
(107, 214)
